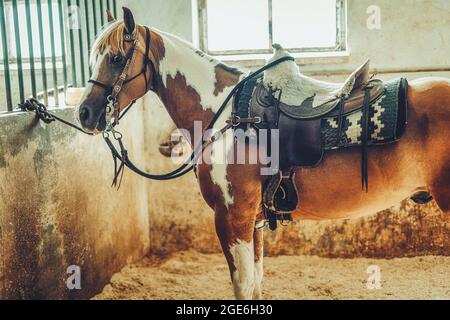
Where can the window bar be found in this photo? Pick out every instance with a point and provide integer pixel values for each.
(94, 15)
(108, 7)
(53, 51)
(115, 8)
(269, 2)
(42, 51)
(88, 30)
(72, 46)
(340, 25)
(18, 50)
(81, 47)
(202, 25)
(102, 13)
(5, 56)
(63, 46)
(30, 48)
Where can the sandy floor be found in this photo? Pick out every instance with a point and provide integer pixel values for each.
(192, 275)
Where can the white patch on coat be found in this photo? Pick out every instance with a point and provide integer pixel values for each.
(243, 277)
(427, 83)
(197, 68)
(296, 87)
(259, 275)
(220, 156)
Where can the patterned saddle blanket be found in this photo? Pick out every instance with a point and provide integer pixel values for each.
(387, 117)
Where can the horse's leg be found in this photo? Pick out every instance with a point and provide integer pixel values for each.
(234, 192)
(235, 232)
(440, 188)
(258, 243)
(429, 101)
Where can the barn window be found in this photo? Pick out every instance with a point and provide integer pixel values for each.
(235, 27)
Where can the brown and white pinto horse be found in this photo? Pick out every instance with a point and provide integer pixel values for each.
(192, 86)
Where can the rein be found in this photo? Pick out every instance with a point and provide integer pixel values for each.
(113, 114)
(189, 164)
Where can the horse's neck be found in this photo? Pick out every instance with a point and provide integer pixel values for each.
(192, 85)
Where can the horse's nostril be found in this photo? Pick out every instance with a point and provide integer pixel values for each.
(84, 114)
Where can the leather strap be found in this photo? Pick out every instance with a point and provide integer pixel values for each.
(364, 139)
(189, 164)
(112, 92)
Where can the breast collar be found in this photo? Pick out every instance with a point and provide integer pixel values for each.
(112, 91)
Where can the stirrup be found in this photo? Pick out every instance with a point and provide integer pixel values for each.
(280, 193)
(273, 218)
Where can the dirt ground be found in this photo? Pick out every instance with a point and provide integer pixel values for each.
(193, 275)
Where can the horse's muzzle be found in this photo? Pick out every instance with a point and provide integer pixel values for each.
(92, 120)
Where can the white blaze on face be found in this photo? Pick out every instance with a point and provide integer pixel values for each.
(199, 71)
(243, 277)
(97, 63)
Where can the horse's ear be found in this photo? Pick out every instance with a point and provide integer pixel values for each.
(110, 16)
(128, 19)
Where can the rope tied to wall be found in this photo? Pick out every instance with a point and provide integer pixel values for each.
(33, 105)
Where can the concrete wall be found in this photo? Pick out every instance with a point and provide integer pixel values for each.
(57, 208)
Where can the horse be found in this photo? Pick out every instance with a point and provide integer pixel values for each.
(192, 85)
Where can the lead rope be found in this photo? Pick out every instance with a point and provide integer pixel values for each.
(33, 105)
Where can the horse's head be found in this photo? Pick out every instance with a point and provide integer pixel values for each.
(123, 70)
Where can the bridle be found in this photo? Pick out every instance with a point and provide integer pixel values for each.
(112, 114)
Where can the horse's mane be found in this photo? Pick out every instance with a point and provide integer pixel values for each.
(111, 38)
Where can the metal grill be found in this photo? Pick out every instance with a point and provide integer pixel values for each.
(44, 47)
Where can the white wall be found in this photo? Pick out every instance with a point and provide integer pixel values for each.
(414, 34)
(174, 16)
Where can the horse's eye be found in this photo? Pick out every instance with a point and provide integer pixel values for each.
(117, 59)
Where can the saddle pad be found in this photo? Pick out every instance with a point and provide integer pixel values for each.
(387, 120)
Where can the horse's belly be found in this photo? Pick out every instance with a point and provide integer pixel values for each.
(333, 190)
(343, 208)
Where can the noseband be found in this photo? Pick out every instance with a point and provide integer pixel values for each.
(112, 92)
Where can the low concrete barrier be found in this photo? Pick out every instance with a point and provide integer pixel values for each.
(57, 208)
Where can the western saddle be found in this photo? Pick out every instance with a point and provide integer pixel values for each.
(299, 125)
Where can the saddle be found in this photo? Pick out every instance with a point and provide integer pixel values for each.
(296, 105)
